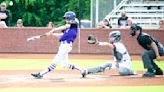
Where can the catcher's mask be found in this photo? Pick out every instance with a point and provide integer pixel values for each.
(135, 28)
(69, 15)
(114, 36)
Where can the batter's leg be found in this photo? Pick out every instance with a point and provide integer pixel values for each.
(65, 64)
(53, 65)
(58, 58)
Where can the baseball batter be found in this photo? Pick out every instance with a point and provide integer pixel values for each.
(121, 57)
(66, 39)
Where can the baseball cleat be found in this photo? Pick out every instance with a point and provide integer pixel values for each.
(83, 73)
(148, 74)
(37, 75)
(159, 72)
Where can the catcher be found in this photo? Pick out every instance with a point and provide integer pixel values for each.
(121, 56)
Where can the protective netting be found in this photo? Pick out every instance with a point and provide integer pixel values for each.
(103, 8)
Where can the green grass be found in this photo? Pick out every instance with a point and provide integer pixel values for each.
(89, 89)
(34, 64)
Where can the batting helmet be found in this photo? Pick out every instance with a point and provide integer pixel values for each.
(69, 15)
(135, 28)
(114, 36)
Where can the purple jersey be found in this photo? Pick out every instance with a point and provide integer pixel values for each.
(70, 34)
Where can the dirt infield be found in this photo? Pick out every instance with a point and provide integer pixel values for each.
(60, 78)
(71, 56)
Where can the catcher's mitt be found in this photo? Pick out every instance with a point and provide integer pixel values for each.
(91, 39)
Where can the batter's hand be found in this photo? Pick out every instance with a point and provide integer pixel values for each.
(48, 33)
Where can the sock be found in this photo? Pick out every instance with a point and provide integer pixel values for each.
(49, 69)
(73, 67)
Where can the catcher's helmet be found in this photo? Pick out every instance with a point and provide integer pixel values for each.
(114, 36)
(69, 15)
(135, 28)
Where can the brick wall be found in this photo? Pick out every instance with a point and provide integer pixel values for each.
(13, 40)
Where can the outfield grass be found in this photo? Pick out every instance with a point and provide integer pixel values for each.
(89, 89)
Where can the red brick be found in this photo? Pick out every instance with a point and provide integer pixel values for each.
(14, 40)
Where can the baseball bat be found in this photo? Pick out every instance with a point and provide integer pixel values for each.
(35, 37)
(39, 36)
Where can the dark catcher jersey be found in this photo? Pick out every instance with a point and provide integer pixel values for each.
(145, 41)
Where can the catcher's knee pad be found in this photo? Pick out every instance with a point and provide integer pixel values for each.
(125, 71)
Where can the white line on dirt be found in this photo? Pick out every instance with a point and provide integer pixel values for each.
(14, 80)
